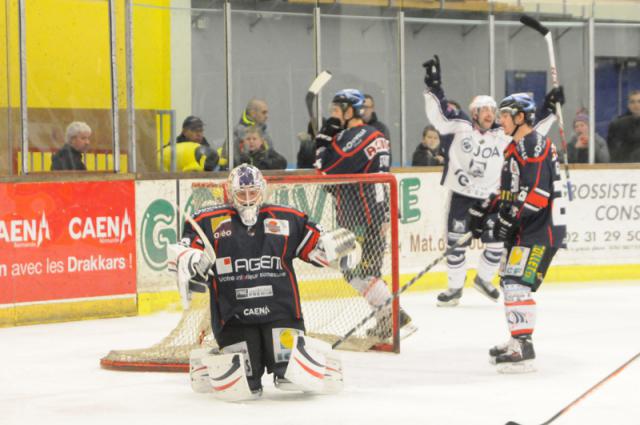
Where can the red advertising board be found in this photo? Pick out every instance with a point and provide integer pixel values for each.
(66, 240)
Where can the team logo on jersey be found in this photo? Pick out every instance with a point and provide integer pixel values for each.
(276, 227)
(224, 265)
(377, 146)
(217, 226)
(517, 260)
(467, 145)
(531, 270)
(255, 292)
(477, 168)
(257, 311)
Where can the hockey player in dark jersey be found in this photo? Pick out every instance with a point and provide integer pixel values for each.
(346, 145)
(530, 222)
(247, 264)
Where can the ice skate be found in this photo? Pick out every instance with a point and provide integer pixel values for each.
(497, 350)
(450, 297)
(383, 329)
(518, 357)
(486, 288)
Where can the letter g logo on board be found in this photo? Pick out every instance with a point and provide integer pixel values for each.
(157, 231)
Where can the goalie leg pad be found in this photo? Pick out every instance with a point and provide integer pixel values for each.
(198, 371)
(228, 377)
(314, 367)
(373, 289)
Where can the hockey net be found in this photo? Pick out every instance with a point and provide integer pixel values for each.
(331, 306)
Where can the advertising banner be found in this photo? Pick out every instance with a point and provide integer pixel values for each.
(157, 227)
(68, 240)
(603, 220)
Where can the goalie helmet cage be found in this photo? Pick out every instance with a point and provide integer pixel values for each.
(330, 306)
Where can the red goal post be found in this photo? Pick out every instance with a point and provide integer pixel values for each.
(331, 307)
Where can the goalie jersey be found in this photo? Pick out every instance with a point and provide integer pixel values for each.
(253, 277)
(358, 150)
(474, 157)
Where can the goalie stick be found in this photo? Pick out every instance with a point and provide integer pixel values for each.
(406, 286)
(314, 89)
(586, 393)
(544, 31)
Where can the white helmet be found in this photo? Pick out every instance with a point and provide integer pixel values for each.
(247, 188)
(480, 102)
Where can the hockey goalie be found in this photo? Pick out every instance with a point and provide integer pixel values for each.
(243, 254)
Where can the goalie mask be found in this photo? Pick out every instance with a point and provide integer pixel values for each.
(247, 188)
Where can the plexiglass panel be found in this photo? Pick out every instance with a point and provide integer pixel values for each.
(273, 64)
(362, 53)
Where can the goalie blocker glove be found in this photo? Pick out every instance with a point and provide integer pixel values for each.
(192, 267)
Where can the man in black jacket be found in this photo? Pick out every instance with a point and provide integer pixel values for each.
(624, 133)
(370, 117)
(257, 153)
(76, 143)
(192, 131)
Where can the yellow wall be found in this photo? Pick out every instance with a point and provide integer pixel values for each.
(68, 55)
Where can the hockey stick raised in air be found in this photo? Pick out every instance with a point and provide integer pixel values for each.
(404, 287)
(315, 87)
(586, 393)
(544, 31)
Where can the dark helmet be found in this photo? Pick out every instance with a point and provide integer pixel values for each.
(350, 97)
(519, 102)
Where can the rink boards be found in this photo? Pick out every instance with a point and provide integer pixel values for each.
(71, 255)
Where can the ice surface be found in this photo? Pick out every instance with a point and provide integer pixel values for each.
(49, 374)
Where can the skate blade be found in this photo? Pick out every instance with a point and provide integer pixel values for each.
(485, 293)
(451, 303)
(525, 366)
(408, 330)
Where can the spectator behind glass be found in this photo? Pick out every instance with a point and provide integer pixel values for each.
(370, 117)
(428, 152)
(578, 146)
(255, 114)
(69, 157)
(192, 131)
(257, 153)
(624, 133)
(307, 150)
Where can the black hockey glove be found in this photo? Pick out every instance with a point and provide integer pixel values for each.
(432, 77)
(506, 226)
(330, 128)
(555, 95)
(477, 217)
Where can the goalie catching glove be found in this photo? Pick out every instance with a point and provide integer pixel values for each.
(192, 267)
(337, 249)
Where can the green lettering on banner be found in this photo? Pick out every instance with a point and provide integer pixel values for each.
(297, 197)
(157, 231)
(409, 200)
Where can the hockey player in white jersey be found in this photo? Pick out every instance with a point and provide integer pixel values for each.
(472, 169)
